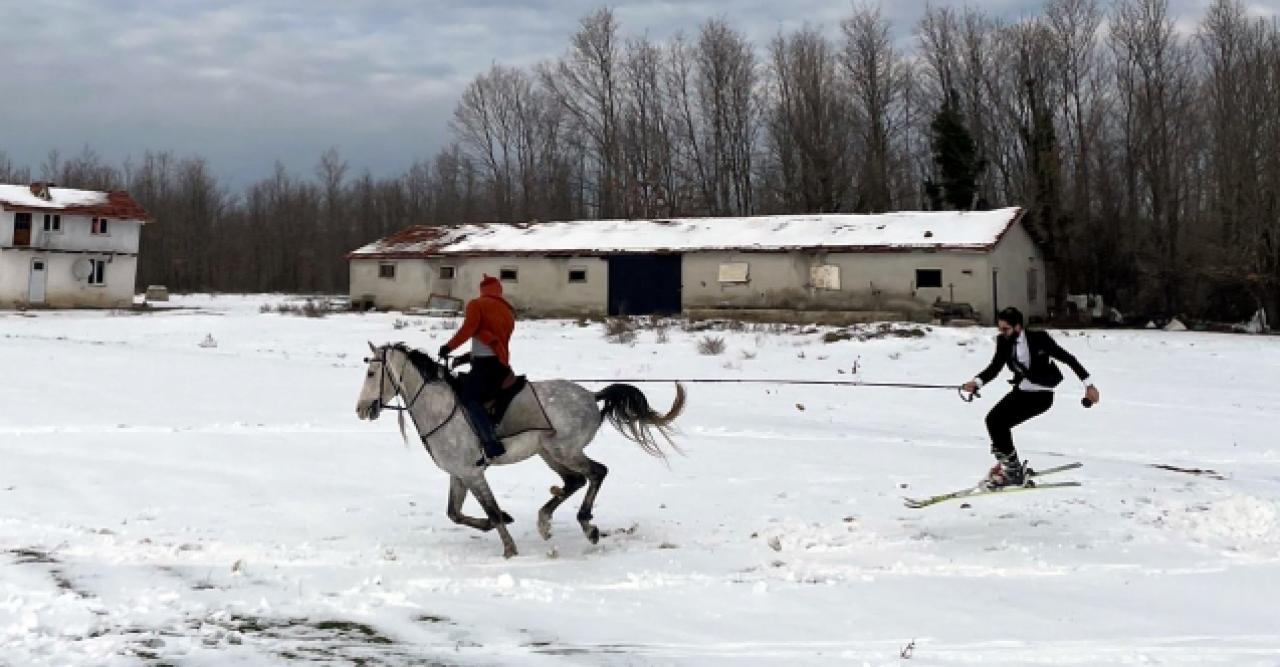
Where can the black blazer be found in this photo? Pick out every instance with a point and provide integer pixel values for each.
(1042, 370)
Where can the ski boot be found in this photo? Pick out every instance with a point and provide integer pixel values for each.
(1008, 472)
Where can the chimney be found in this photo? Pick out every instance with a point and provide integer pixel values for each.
(41, 190)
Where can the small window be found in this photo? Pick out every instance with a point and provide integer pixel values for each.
(508, 274)
(387, 271)
(446, 273)
(98, 226)
(928, 278)
(1033, 285)
(97, 272)
(52, 223)
(577, 275)
(735, 272)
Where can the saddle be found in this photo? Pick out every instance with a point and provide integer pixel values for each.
(516, 408)
(511, 386)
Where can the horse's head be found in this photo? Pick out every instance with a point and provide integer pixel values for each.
(383, 377)
(378, 388)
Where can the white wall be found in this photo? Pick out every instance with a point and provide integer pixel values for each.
(408, 289)
(884, 281)
(541, 287)
(121, 236)
(1012, 260)
(62, 288)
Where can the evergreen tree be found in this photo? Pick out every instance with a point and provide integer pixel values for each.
(956, 158)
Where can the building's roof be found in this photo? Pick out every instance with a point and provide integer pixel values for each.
(115, 204)
(931, 230)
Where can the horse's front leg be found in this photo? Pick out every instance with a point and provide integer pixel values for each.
(458, 494)
(479, 487)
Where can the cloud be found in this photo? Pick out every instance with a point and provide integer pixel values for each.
(246, 82)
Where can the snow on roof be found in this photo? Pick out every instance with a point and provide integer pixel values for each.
(930, 230)
(114, 204)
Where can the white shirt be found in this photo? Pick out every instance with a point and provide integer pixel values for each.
(1022, 352)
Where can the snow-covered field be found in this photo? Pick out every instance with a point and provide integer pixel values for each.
(165, 502)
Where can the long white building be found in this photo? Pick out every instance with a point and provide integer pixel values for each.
(834, 268)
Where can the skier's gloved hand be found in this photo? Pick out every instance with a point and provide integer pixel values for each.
(444, 351)
(1091, 396)
(969, 387)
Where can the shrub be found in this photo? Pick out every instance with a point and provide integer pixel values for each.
(710, 345)
(620, 330)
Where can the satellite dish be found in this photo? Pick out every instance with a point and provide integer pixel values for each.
(81, 269)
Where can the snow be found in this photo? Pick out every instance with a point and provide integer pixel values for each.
(223, 505)
(20, 195)
(905, 230)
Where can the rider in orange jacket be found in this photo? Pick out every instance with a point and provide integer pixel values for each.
(488, 324)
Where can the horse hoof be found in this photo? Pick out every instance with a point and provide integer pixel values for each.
(594, 535)
(557, 491)
(544, 529)
(508, 553)
(506, 518)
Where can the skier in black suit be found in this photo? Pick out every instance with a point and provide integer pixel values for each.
(1029, 354)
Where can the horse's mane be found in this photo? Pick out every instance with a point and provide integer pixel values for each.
(430, 370)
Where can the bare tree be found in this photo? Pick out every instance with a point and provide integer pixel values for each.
(1073, 27)
(494, 121)
(1156, 91)
(1241, 57)
(647, 139)
(586, 82)
(12, 173)
(808, 128)
(726, 78)
(877, 76)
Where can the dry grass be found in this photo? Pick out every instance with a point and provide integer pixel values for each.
(710, 345)
(308, 308)
(621, 330)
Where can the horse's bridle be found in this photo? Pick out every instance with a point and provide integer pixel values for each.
(395, 384)
(399, 387)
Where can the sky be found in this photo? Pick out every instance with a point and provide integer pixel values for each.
(245, 83)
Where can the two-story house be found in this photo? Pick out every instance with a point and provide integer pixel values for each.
(66, 248)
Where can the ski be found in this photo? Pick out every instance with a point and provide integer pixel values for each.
(979, 490)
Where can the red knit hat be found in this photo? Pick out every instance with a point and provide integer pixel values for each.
(490, 285)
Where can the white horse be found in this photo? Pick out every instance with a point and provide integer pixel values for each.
(430, 400)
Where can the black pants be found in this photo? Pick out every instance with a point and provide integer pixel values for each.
(485, 379)
(482, 384)
(1017, 407)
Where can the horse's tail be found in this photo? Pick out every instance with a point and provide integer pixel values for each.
(628, 410)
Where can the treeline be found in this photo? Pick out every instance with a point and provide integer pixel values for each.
(1147, 153)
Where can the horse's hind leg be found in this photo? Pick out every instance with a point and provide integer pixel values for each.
(595, 473)
(458, 494)
(572, 482)
(479, 487)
